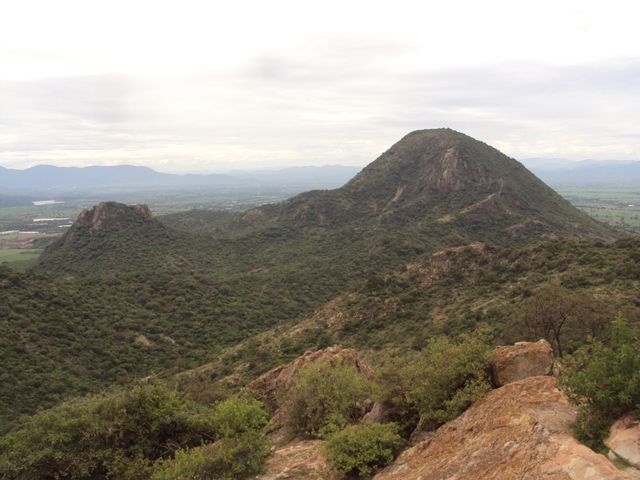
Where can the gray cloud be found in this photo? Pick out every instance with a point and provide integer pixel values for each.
(342, 102)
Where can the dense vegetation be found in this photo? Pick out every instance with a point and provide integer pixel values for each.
(603, 379)
(66, 336)
(240, 449)
(449, 293)
(133, 434)
(445, 378)
(115, 435)
(115, 327)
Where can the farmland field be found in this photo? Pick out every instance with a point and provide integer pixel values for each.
(13, 255)
(617, 206)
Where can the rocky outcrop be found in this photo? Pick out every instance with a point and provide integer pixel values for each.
(519, 431)
(299, 460)
(271, 386)
(110, 215)
(522, 360)
(624, 440)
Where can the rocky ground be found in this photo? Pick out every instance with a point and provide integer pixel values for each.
(521, 430)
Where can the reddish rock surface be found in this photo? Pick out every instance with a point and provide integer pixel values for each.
(624, 440)
(522, 360)
(519, 431)
(299, 460)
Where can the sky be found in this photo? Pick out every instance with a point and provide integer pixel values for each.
(204, 86)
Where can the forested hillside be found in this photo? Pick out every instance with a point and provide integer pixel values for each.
(123, 295)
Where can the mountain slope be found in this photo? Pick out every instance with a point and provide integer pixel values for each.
(112, 235)
(431, 190)
(444, 293)
(231, 276)
(439, 179)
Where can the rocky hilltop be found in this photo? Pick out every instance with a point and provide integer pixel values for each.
(109, 236)
(445, 178)
(112, 215)
(520, 430)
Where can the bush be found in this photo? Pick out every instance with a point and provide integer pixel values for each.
(445, 378)
(228, 459)
(325, 398)
(359, 450)
(448, 376)
(235, 416)
(603, 379)
(239, 451)
(110, 436)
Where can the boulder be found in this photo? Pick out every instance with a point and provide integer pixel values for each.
(299, 460)
(522, 430)
(624, 440)
(522, 360)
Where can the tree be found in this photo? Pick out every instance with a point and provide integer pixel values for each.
(553, 312)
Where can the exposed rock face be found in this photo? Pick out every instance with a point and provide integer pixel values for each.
(271, 386)
(299, 460)
(519, 431)
(522, 360)
(109, 215)
(624, 440)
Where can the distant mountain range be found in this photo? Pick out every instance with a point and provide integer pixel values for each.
(586, 173)
(52, 178)
(555, 172)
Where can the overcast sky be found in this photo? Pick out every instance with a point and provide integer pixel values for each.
(211, 85)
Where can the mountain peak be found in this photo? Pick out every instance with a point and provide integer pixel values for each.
(447, 181)
(441, 159)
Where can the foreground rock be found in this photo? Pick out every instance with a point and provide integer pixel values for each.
(299, 460)
(519, 431)
(624, 440)
(522, 360)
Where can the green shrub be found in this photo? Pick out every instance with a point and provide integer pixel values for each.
(359, 450)
(239, 451)
(326, 397)
(446, 377)
(603, 379)
(109, 436)
(228, 459)
(235, 416)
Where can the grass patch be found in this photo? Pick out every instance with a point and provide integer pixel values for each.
(12, 255)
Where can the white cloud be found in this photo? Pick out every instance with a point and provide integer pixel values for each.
(210, 85)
